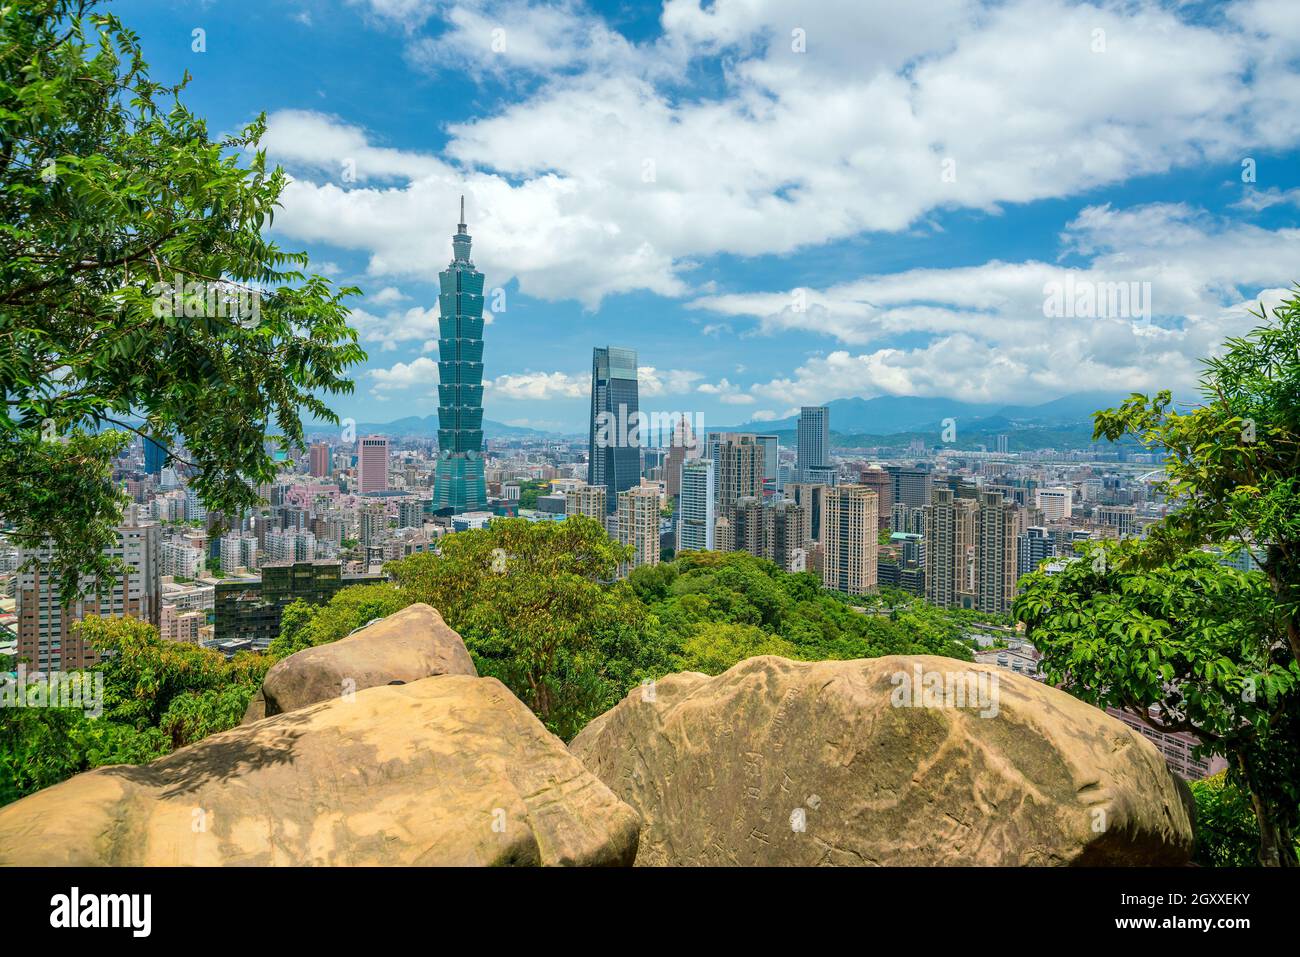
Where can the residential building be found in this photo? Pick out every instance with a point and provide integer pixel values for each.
(850, 539)
(47, 640)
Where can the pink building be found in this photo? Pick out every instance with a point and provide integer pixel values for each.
(372, 463)
(320, 459)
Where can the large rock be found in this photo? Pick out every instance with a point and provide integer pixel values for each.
(448, 770)
(414, 643)
(835, 762)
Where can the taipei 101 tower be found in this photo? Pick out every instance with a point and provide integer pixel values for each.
(458, 480)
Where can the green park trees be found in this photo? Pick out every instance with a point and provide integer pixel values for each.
(138, 290)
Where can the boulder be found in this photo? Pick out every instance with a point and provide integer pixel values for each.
(414, 643)
(448, 770)
(880, 762)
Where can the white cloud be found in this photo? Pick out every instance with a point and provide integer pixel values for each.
(652, 382)
(394, 328)
(540, 386)
(604, 179)
(989, 338)
(422, 372)
(726, 392)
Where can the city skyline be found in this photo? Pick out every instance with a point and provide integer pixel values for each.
(926, 266)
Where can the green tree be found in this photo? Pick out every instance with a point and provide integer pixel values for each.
(1232, 464)
(1187, 646)
(1227, 834)
(157, 695)
(303, 625)
(536, 606)
(137, 290)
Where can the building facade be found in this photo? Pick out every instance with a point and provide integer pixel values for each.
(850, 540)
(614, 453)
(47, 640)
(459, 484)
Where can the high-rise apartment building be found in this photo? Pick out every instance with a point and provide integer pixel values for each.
(458, 484)
(813, 499)
(911, 486)
(785, 535)
(882, 483)
(638, 525)
(588, 500)
(239, 550)
(180, 560)
(290, 545)
(997, 553)
(1036, 546)
(813, 440)
(949, 526)
(614, 453)
(372, 464)
(46, 638)
(1123, 518)
(738, 461)
(319, 459)
(696, 515)
(850, 539)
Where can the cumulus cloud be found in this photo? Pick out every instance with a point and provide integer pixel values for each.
(421, 372)
(540, 386)
(394, 328)
(602, 179)
(726, 392)
(990, 333)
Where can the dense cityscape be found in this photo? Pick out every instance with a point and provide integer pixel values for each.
(514, 433)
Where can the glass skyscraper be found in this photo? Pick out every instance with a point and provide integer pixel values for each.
(814, 440)
(458, 479)
(614, 458)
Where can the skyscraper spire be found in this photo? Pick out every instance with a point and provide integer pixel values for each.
(463, 227)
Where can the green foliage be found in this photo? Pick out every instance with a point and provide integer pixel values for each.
(303, 625)
(530, 490)
(1198, 642)
(536, 608)
(800, 619)
(1227, 833)
(1233, 463)
(110, 189)
(158, 695)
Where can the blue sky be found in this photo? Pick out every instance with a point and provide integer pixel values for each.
(775, 204)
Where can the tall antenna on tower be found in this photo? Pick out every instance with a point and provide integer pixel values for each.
(462, 225)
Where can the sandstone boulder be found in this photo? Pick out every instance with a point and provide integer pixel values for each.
(777, 762)
(448, 770)
(414, 643)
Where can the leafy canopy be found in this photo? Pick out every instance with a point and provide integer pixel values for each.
(128, 237)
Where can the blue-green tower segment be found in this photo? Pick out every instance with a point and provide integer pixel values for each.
(458, 484)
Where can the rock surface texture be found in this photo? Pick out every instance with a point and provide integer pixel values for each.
(448, 770)
(777, 762)
(414, 643)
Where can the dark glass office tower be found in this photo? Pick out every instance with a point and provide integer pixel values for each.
(615, 451)
(155, 457)
(458, 479)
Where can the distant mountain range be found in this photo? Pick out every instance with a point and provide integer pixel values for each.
(892, 414)
(883, 415)
(426, 427)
